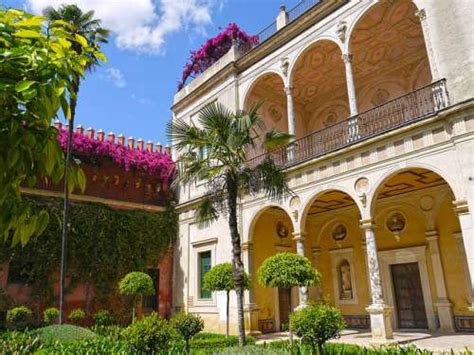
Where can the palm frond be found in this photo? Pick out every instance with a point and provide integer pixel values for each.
(267, 177)
(274, 139)
(206, 212)
(185, 136)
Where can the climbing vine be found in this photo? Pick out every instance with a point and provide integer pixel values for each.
(103, 245)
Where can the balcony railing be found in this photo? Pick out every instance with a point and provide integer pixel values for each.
(271, 29)
(393, 114)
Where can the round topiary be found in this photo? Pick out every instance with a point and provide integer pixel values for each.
(63, 333)
(220, 278)
(136, 284)
(77, 315)
(188, 325)
(51, 315)
(19, 317)
(149, 335)
(317, 323)
(103, 318)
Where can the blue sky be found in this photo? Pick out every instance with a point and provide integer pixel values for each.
(133, 92)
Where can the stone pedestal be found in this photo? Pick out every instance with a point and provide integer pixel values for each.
(251, 319)
(380, 323)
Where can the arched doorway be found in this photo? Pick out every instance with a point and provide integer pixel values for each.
(335, 239)
(271, 233)
(389, 56)
(422, 260)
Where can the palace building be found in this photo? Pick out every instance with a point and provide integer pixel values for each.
(380, 98)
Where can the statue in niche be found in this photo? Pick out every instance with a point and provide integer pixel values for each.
(345, 281)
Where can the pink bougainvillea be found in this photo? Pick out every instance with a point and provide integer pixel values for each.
(151, 163)
(213, 49)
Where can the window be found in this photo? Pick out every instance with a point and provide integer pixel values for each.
(204, 264)
(150, 303)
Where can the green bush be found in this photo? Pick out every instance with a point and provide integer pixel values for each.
(103, 318)
(94, 346)
(187, 325)
(77, 315)
(19, 317)
(63, 333)
(149, 335)
(51, 315)
(317, 323)
(136, 284)
(18, 343)
(211, 342)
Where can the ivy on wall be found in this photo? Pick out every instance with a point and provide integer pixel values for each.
(103, 245)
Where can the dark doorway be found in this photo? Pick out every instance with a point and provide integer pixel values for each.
(150, 303)
(409, 300)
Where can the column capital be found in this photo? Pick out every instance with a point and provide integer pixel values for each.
(421, 14)
(367, 224)
(347, 57)
(315, 251)
(288, 90)
(247, 245)
(432, 234)
(461, 207)
(299, 236)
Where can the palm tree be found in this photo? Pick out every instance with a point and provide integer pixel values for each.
(215, 151)
(80, 24)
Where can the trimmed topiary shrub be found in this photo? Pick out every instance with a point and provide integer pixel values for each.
(51, 315)
(317, 323)
(77, 316)
(103, 318)
(136, 284)
(221, 278)
(63, 333)
(19, 317)
(150, 335)
(187, 325)
(210, 342)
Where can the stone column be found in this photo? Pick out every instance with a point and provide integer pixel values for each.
(250, 308)
(316, 251)
(379, 312)
(291, 119)
(421, 14)
(351, 95)
(467, 230)
(442, 303)
(299, 239)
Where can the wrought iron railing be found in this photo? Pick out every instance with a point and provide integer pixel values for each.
(270, 30)
(391, 115)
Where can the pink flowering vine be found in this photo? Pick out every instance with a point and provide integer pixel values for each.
(151, 163)
(213, 49)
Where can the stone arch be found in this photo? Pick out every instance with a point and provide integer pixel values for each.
(255, 81)
(302, 51)
(386, 41)
(311, 199)
(374, 192)
(259, 212)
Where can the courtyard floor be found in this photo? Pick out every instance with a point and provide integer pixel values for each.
(423, 340)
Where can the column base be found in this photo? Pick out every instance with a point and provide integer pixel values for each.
(380, 323)
(445, 315)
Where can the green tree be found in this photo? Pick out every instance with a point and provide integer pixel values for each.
(136, 284)
(187, 325)
(215, 149)
(85, 30)
(317, 323)
(287, 270)
(220, 278)
(36, 71)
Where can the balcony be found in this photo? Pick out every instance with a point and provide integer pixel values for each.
(394, 114)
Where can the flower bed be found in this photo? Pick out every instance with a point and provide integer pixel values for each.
(213, 49)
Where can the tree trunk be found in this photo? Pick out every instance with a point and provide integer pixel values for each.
(65, 226)
(237, 265)
(289, 317)
(321, 349)
(227, 314)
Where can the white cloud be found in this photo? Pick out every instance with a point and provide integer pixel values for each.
(117, 78)
(142, 25)
(141, 99)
